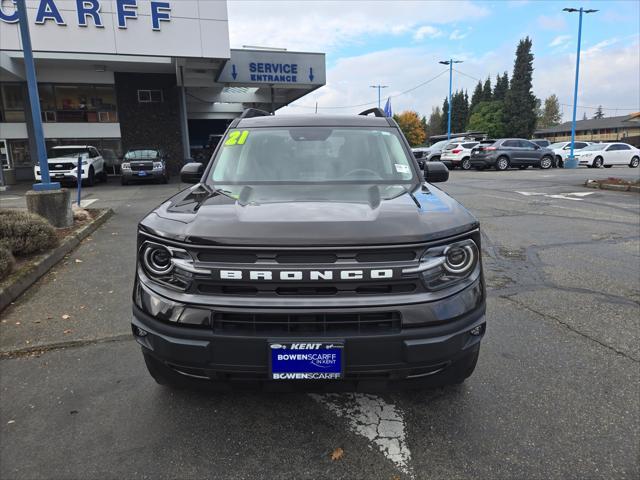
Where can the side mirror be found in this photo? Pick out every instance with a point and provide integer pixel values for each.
(536, 146)
(435, 172)
(191, 172)
(417, 154)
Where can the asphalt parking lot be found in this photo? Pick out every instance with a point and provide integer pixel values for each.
(556, 394)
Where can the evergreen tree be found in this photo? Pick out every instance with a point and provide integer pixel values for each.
(476, 98)
(599, 113)
(445, 115)
(488, 117)
(550, 114)
(502, 85)
(520, 103)
(487, 94)
(434, 125)
(467, 112)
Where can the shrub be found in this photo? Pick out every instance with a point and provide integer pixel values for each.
(24, 233)
(6, 262)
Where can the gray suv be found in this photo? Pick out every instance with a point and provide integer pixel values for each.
(144, 163)
(511, 152)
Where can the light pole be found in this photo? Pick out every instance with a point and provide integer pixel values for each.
(379, 87)
(450, 62)
(571, 162)
(34, 100)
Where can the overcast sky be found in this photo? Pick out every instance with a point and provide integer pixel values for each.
(399, 44)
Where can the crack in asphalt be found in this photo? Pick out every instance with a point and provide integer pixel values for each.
(373, 418)
(570, 327)
(40, 349)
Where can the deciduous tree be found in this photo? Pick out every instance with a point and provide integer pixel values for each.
(411, 126)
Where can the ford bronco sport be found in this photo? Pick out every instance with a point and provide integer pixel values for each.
(311, 252)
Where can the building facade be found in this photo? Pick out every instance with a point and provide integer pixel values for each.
(624, 128)
(118, 74)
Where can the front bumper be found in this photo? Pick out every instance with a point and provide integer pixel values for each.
(63, 175)
(414, 352)
(148, 174)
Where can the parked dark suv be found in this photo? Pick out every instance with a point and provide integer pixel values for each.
(511, 152)
(310, 253)
(144, 164)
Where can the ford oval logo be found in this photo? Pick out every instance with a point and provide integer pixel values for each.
(59, 166)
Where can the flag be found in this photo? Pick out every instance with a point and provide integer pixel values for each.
(387, 108)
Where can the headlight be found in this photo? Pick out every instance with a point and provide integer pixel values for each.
(168, 266)
(446, 265)
(125, 166)
(157, 165)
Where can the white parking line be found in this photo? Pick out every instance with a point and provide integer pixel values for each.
(10, 198)
(374, 419)
(562, 196)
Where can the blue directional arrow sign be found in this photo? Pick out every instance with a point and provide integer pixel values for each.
(311, 74)
(234, 73)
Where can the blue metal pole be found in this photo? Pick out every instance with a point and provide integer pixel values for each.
(379, 88)
(571, 161)
(79, 179)
(34, 100)
(450, 83)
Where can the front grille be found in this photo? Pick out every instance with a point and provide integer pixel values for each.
(318, 324)
(141, 167)
(270, 289)
(62, 166)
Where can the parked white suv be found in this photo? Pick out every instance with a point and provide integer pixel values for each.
(63, 163)
(561, 151)
(608, 154)
(457, 154)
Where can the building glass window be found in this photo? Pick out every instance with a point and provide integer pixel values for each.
(12, 102)
(150, 96)
(47, 102)
(19, 152)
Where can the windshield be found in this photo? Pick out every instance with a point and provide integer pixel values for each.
(439, 145)
(317, 156)
(68, 152)
(141, 155)
(557, 145)
(595, 146)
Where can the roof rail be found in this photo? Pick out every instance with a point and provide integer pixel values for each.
(254, 112)
(378, 112)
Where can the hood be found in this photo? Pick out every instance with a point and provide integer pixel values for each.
(198, 216)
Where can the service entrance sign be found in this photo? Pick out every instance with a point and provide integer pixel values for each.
(258, 67)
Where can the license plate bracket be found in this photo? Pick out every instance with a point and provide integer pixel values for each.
(306, 360)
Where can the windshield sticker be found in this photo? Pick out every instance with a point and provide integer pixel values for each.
(236, 137)
(401, 168)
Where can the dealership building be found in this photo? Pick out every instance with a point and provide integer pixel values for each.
(118, 74)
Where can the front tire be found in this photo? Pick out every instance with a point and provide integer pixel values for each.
(465, 164)
(635, 161)
(91, 177)
(597, 162)
(546, 162)
(502, 164)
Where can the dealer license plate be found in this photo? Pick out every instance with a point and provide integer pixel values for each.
(306, 360)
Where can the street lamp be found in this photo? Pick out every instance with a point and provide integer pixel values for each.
(449, 62)
(379, 87)
(571, 162)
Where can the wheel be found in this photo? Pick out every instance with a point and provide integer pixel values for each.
(545, 163)
(597, 162)
(103, 176)
(634, 162)
(502, 164)
(123, 181)
(91, 177)
(465, 164)
(523, 167)
(165, 179)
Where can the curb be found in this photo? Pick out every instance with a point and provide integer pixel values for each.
(614, 187)
(18, 283)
